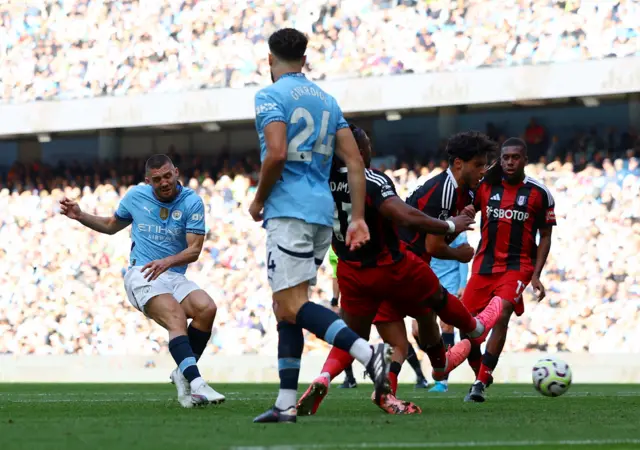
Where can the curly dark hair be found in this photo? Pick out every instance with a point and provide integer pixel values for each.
(288, 44)
(469, 144)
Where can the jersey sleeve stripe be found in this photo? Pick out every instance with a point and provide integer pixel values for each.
(273, 119)
(447, 194)
(379, 177)
(537, 183)
(370, 177)
(122, 219)
(194, 231)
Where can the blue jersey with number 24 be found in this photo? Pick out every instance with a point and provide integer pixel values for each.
(312, 117)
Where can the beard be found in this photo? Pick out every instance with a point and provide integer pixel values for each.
(273, 80)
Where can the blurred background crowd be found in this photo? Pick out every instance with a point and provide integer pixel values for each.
(63, 284)
(65, 49)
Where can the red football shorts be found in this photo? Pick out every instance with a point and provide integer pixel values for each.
(506, 285)
(406, 285)
(393, 311)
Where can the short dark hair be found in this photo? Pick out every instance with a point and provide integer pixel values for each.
(288, 44)
(157, 161)
(494, 173)
(358, 133)
(515, 142)
(469, 144)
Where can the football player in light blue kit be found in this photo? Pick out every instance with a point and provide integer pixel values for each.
(453, 276)
(167, 234)
(299, 127)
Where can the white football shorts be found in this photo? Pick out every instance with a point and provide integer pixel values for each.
(140, 291)
(295, 251)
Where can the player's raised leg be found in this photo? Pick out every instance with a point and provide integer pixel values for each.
(166, 311)
(443, 360)
(452, 311)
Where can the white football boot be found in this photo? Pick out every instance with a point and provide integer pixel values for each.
(203, 394)
(183, 387)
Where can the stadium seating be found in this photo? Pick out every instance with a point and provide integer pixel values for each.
(62, 284)
(55, 49)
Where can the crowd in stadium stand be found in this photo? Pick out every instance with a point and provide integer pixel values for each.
(64, 49)
(63, 290)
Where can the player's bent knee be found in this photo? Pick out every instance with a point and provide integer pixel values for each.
(287, 303)
(208, 311)
(285, 310)
(438, 299)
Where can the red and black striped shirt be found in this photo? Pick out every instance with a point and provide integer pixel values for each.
(438, 197)
(384, 246)
(511, 218)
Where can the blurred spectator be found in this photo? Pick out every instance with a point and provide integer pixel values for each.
(65, 49)
(62, 284)
(536, 138)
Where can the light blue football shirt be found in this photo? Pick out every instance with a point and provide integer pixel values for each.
(452, 274)
(312, 117)
(160, 229)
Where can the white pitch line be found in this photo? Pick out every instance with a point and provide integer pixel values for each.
(133, 397)
(463, 444)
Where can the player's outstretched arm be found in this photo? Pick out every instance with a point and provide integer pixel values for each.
(106, 225)
(275, 135)
(407, 216)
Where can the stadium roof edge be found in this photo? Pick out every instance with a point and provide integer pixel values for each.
(355, 95)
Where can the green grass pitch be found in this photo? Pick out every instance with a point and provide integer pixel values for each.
(91, 417)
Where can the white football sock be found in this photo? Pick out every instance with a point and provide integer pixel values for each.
(286, 399)
(326, 375)
(478, 331)
(361, 350)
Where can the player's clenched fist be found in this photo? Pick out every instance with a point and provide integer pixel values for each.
(357, 234)
(256, 211)
(465, 253)
(70, 209)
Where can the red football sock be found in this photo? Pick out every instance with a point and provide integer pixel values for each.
(336, 362)
(484, 374)
(489, 363)
(394, 371)
(454, 313)
(437, 355)
(393, 382)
